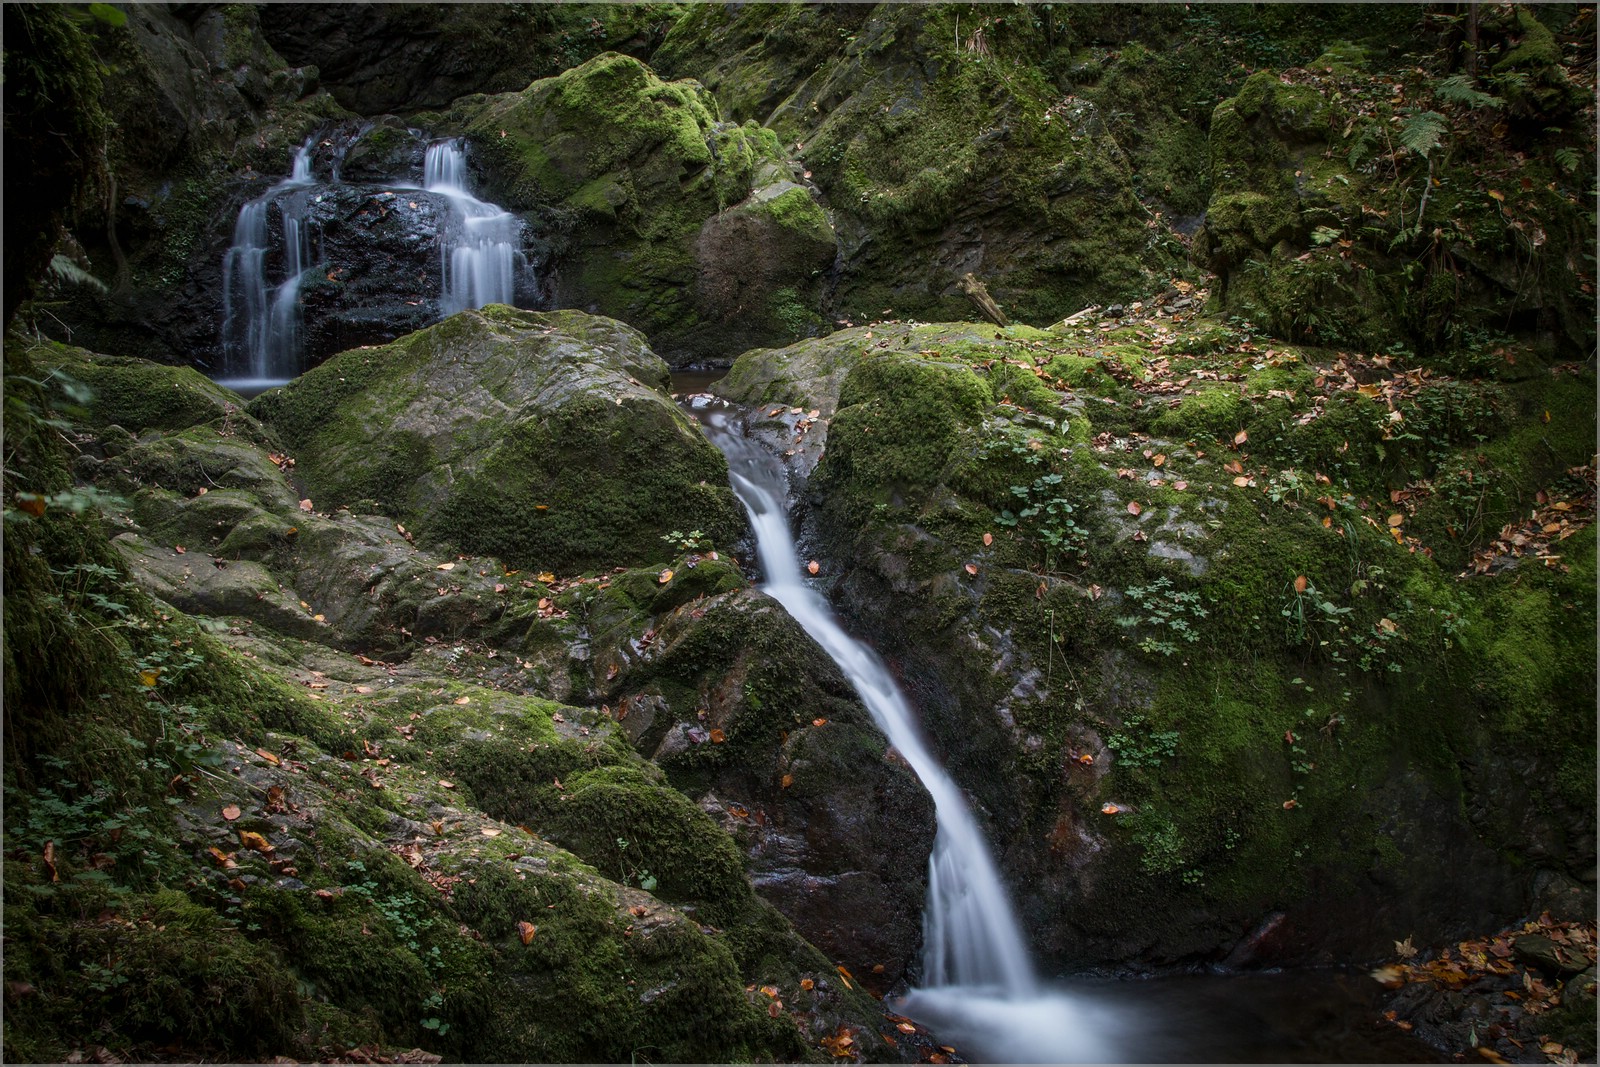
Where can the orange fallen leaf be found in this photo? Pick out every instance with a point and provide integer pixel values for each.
(269, 757)
(179, 549)
(252, 840)
(1396, 519)
(717, 737)
(807, 984)
(1086, 759)
(1241, 481)
(1290, 804)
(305, 505)
(1300, 584)
(988, 539)
(775, 1009)
(463, 700)
(1109, 809)
(1159, 459)
(1134, 508)
(1180, 486)
(972, 569)
(149, 678)
(907, 1028)
(446, 784)
(1497, 195)
(1240, 438)
(819, 722)
(813, 567)
(787, 781)
(770, 990)
(231, 812)
(490, 831)
(665, 576)
(525, 931)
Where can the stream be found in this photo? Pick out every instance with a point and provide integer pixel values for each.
(980, 992)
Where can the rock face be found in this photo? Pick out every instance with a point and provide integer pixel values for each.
(1057, 554)
(689, 228)
(939, 151)
(543, 438)
(472, 832)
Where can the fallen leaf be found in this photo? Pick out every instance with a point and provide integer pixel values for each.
(252, 840)
(972, 569)
(1497, 195)
(525, 931)
(1180, 486)
(1396, 519)
(1134, 508)
(1300, 584)
(231, 812)
(665, 576)
(269, 757)
(1388, 626)
(813, 567)
(770, 990)
(1240, 438)
(1159, 459)
(445, 567)
(179, 549)
(1241, 481)
(807, 984)
(305, 505)
(446, 784)
(988, 539)
(490, 831)
(819, 722)
(148, 678)
(787, 781)
(546, 577)
(1109, 809)
(1290, 804)
(907, 1028)
(463, 700)
(775, 1009)
(717, 737)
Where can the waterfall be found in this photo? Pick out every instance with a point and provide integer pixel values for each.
(261, 321)
(479, 250)
(979, 983)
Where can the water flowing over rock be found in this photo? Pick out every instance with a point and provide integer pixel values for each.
(319, 264)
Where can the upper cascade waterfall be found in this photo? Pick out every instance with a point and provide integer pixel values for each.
(318, 264)
(478, 252)
(979, 985)
(261, 321)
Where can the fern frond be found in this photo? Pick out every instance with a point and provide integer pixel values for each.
(1458, 89)
(1422, 131)
(66, 270)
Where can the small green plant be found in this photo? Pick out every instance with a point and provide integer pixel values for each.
(1138, 744)
(693, 541)
(640, 876)
(1173, 613)
(1048, 516)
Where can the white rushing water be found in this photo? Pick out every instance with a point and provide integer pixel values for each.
(479, 248)
(261, 320)
(979, 988)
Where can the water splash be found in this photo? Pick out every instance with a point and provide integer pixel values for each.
(479, 251)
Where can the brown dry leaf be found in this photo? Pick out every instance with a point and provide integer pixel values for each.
(1300, 583)
(445, 567)
(1390, 976)
(665, 576)
(1159, 459)
(231, 812)
(813, 567)
(269, 757)
(775, 1009)
(1180, 486)
(1134, 508)
(179, 549)
(717, 736)
(525, 931)
(1290, 804)
(1388, 626)
(1241, 481)
(807, 984)
(1497, 195)
(363, 688)
(252, 840)
(1109, 808)
(546, 577)
(445, 784)
(988, 539)
(490, 831)
(1240, 438)
(972, 569)
(462, 700)
(907, 1028)
(819, 722)
(305, 505)
(770, 990)
(1396, 519)
(1327, 522)
(787, 781)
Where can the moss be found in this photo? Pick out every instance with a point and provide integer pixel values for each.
(165, 972)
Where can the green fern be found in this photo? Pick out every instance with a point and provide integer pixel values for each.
(1458, 89)
(1423, 131)
(66, 270)
(1569, 159)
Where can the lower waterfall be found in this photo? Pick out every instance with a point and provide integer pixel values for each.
(979, 987)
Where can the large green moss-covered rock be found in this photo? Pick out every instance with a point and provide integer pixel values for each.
(541, 438)
(689, 228)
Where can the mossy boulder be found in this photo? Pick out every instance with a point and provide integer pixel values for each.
(634, 173)
(540, 438)
(746, 714)
(1068, 542)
